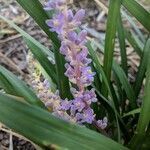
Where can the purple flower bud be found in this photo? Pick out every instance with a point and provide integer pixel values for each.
(89, 96)
(61, 2)
(81, 37)
(102, 123)
(78, 104)
(70, 73)
(65, 105)
(82, 56)
(54, 4)
(79, 15)
(46, 84)
(50, 5)
(75, 19)
(64, 49)
(87, 76)
(56, 23)
(77, 38)
(87, 116)
(70, 15)
(72, 36)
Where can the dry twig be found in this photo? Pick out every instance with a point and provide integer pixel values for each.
(9, 62)
(10, 38)
(100, 4)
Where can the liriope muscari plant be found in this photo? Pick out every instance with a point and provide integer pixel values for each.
(79, 90)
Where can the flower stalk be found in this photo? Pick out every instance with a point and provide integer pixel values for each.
(80, 74)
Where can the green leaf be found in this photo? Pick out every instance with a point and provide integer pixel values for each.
(132, 112)
(122, 43)
(35, 9)
(144, 118)
(138, 12)
(135, 27)
(114, 10)
(120, 91)
(131, 39)
(125, 83)
(100, 71)
(31, 39)
(12, 85)
(42, 50)
(146, 144)
(142, 68)
(122, 78)
(53, 87)
(42, 59)
(44, 129)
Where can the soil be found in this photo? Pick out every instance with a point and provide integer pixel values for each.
(18, 143)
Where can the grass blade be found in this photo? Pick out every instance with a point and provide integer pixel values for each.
(135, 27)
(132, 112)
(40, 56)
(138, 12)
(12, 85)
(47, 130)
(114, 103)
(142, 68)
(125, 83)
(35, 9)
(121, 37)
(146, 143)
(42, 50)
(131, 39)
(114, 9)
(30, 38)
(144, 118)
(99, 70)
(122, 78)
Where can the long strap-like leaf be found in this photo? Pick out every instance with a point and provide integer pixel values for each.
(12, 85)
(114, 9)
(35, 9)
(144, 118)
(39, 51)
(121, 37)
(44, 129)
(42, 59)
(138, 12)
(142, 68)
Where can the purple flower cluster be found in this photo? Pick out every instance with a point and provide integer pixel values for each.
(65, 24)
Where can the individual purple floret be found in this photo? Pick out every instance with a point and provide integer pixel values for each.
(87, 116)
(57, 23)
(80, 74)
(87, 76)
(65, 105)
(102, 123)
(54, 4)
(77, 39)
